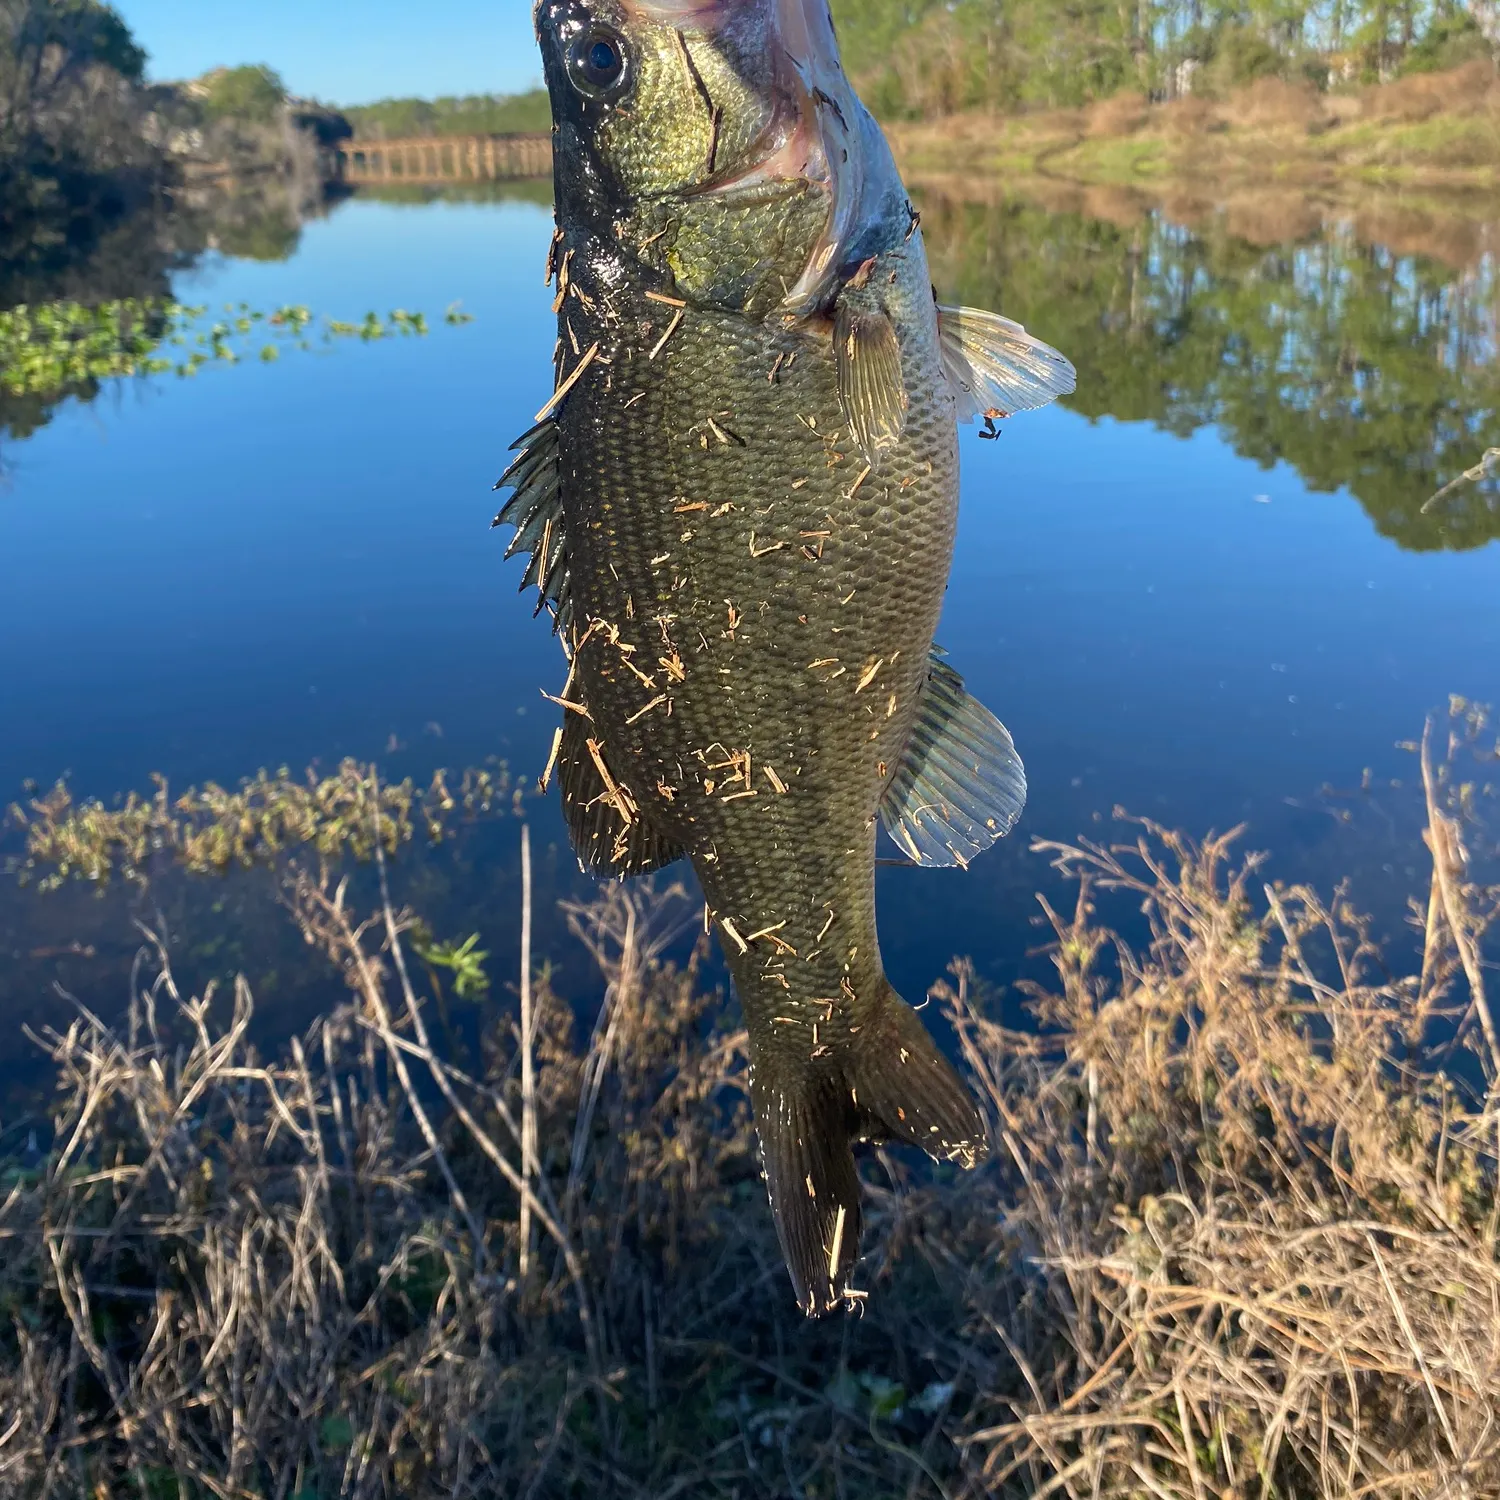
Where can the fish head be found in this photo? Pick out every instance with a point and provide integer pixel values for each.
(718, 142)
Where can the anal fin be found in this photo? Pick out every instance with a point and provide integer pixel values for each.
(605, 826)
(908, 1091)
(960, 786)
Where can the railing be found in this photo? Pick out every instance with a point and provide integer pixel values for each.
(445, 158)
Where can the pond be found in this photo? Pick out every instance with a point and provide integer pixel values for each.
(1205, 589)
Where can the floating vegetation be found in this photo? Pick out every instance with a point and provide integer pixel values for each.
(211, 830)
(57, 345)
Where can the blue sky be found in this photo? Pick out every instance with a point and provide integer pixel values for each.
(346, 51)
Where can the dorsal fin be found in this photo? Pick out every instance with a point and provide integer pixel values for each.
(872, 390)
(994, 367)
(605, 826)
(535, 510)
(960, 786)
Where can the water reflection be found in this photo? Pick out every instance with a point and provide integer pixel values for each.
(1360, 347)
(1363, 367)
(290, 562)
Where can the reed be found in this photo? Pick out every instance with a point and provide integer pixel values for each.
(1238, 1236)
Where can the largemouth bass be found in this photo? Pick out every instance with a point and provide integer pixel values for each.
(740, 506)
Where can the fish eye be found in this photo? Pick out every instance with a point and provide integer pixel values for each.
(597, 62)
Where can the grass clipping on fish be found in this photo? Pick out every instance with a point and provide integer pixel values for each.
(1238, 1237)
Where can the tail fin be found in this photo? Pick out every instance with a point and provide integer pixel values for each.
(894, 1085)
(807, 1128)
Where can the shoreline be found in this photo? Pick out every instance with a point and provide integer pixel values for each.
(1436, 134)
(264, 1271)
(1456, 231)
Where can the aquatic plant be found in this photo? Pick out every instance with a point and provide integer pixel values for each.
(211, 830)
(51, 348)
(1239, 1234)
(464, 960)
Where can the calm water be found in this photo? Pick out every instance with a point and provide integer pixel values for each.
(1203, 589)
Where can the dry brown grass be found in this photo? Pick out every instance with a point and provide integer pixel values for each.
(1188, 119)
(1274, 104)
(1437, 134)
(1270, 1259)
(1471, 89)
(1122, 114)
(1239, 1237)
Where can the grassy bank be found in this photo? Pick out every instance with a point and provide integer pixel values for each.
(1237, 1236)
(1436, 131)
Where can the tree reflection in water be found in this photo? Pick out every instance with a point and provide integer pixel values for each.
(1363, 366)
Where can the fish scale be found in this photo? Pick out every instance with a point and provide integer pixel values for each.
(716, 508)
(740, 504)
(632, 439)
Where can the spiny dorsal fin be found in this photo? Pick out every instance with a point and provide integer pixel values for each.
(535, 510)
(995, 367)
(960, 786)
(872, 391)
(605, 827)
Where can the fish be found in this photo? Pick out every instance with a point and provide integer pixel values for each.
(739, 506)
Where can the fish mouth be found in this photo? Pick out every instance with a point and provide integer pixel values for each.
(679, 12)
(809, 138)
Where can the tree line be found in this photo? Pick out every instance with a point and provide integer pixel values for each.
(470, 114)
(94, 158)
(916, 58)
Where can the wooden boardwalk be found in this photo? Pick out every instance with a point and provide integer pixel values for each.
(445, 158)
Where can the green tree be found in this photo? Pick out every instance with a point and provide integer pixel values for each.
(46, 49)
(927, 57)
(469, 114)
(253, 92)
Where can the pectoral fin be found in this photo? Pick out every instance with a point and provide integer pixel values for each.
(961, 786)
(872, 390)
(535, 510)
(605, 826)
(995, 367)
